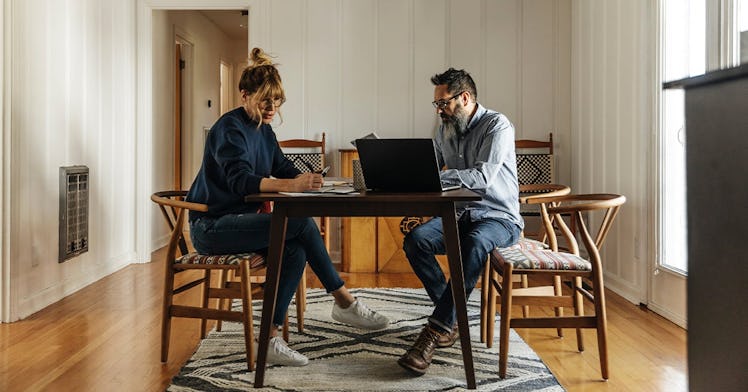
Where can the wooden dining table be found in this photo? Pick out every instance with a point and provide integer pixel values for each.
(440, 204)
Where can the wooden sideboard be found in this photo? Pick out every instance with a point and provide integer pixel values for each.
(374, 244)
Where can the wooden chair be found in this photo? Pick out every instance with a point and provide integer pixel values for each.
(309, 156)
(551, 263)
(488, 306)
(535, 161)
(535, 168)
(243, 265)
(170, 215)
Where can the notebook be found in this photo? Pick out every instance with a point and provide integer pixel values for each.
(400, 165)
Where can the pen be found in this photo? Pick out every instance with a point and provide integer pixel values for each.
(324, 171)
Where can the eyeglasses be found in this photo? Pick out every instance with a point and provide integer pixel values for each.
(275, 102)
(442, 103)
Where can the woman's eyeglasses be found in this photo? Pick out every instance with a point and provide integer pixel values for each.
(272, 102)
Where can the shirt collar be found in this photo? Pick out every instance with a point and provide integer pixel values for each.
(479, 112)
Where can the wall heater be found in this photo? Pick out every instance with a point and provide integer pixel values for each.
(73, 211)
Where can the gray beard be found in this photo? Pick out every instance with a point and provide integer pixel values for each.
(456, 126)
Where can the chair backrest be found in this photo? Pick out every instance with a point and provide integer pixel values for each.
(174, 208)
(535, 161)
(306, 155)
(554, 209)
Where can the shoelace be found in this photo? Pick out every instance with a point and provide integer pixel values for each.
(365, 311)
(281, 348)
(428, 337)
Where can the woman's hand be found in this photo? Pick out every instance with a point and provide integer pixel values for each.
(302, 182)
(307, 181)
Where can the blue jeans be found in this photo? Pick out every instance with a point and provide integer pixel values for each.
(242, 233)
(477, 239)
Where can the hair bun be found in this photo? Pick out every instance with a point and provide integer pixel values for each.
(259, 58)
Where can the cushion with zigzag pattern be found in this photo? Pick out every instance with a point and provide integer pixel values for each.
(256, 260)
(541, 259)
(527, 243)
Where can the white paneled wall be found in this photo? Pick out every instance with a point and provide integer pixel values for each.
(612, 93)
(72, 102)
(349, 67)
(352, 67)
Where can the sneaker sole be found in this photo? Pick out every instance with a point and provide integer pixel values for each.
(413, 370)
(359, 326)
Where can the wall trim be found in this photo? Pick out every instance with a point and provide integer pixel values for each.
(70, 285)
(5, 162)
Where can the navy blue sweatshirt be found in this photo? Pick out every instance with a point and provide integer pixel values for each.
(237, 156)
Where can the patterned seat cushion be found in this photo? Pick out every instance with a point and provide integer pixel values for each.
(542, 259)
(527, 243)
(256, 260)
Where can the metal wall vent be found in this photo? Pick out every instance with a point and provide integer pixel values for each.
(73, 211)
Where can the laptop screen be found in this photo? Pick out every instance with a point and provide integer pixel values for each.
(399, 165)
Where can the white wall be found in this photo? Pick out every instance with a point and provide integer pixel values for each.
(612, 97)
(71, 102)
(350, 67)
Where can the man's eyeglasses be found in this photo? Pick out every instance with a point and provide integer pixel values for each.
(275, 102)
(442, 103)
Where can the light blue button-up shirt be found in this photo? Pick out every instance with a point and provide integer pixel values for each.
(484, 161)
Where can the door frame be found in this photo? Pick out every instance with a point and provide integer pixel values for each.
(144, 120)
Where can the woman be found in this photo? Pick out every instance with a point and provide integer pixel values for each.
(241, 154)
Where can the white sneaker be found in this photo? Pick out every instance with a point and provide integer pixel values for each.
(280, 354)
(359, 316)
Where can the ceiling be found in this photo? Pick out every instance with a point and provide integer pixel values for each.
(232, 23)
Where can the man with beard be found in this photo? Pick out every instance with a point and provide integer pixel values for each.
(476, 145)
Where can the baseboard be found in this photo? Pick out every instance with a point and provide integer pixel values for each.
(624, 289)
(62, 289)
(677, 319)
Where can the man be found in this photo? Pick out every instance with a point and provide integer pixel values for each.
(477, 147)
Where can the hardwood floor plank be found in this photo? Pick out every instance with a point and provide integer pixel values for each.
(106, 337)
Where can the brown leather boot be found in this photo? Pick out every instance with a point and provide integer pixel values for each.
(448, 339)
(418, 357)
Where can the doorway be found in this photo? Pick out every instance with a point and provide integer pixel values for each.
(146, 148)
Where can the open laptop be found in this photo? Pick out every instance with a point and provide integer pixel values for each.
(400, 165)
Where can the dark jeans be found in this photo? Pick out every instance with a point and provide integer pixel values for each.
(242, 233)
(477, 239)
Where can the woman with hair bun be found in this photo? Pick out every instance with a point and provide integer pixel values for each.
(242, 157)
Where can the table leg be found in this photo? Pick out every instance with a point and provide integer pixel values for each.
(452, 243)
(275, 253)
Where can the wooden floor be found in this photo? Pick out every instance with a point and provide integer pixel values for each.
(106, 337)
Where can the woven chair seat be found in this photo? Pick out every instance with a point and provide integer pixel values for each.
(542, 259)
(256, 260)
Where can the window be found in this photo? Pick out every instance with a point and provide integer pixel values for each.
(687, 27)
(684, 54)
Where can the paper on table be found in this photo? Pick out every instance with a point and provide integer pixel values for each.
(333, 183)
(330, 190)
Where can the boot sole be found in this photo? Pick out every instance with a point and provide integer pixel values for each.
(413, 370)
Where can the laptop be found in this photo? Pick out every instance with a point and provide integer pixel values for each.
(400, 165)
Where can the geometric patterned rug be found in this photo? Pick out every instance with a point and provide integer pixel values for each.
(342, 358)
